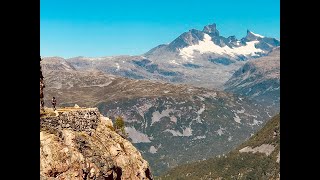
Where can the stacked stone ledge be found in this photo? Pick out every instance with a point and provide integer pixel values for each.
(78, 120)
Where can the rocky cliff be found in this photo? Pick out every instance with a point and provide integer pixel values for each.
(41, 88)
(80, 143)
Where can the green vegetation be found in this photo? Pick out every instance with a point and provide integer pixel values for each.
(119, 126)
(236, 165)
(119, 123)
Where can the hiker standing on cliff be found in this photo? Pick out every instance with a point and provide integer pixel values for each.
(54, 102)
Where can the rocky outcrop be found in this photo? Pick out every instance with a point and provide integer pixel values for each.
(41, 88)
(82, 144)
(86, 120)
(211, 29)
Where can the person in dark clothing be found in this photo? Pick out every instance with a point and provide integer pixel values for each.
(54, 102)
(42, 105)
(41, 76)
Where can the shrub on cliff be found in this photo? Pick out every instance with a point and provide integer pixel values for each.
(119, 127)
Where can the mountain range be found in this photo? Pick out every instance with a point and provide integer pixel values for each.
(199, 96)
(182, 60)
(170, 124)
(259, 79)
(249, 66)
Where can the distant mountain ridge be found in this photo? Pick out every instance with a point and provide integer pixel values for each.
(201, 58)
(216, 44)
(259, 79)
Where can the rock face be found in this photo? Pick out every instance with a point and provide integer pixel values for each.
(41, 88)
(85, 120)
(82, 144)
(211, 29)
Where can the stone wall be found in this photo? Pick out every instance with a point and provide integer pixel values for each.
(77, 120)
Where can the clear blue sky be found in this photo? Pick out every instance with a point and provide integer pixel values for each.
(94, 28)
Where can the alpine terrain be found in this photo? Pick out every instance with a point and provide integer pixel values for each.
(170, 124)
(257, 158)
(199, 96)
(259, 79)
(182, 60)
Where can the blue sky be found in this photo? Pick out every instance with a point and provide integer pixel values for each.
(94, 28)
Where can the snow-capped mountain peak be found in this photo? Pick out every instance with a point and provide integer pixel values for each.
(208, 46)
(195, 43)
(180, 61)
(253, 36)
(258, 35)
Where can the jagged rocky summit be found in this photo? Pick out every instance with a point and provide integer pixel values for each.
(82, 144)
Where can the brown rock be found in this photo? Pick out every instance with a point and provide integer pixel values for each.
(70, 152)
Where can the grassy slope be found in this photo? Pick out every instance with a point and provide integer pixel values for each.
(237, 165)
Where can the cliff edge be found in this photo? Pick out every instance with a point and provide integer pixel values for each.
(78, 143)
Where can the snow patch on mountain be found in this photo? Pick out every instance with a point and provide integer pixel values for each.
(255, 122)
(152, 150)
(208, 46)
(241, 111)
(220, 131)
(137, 136)
(258, 35)
(202, 109)
(185, 132)
(199, 137)
(199, 112)
(173, 119)
(236, 118)
(156, 116)
(264, 148)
